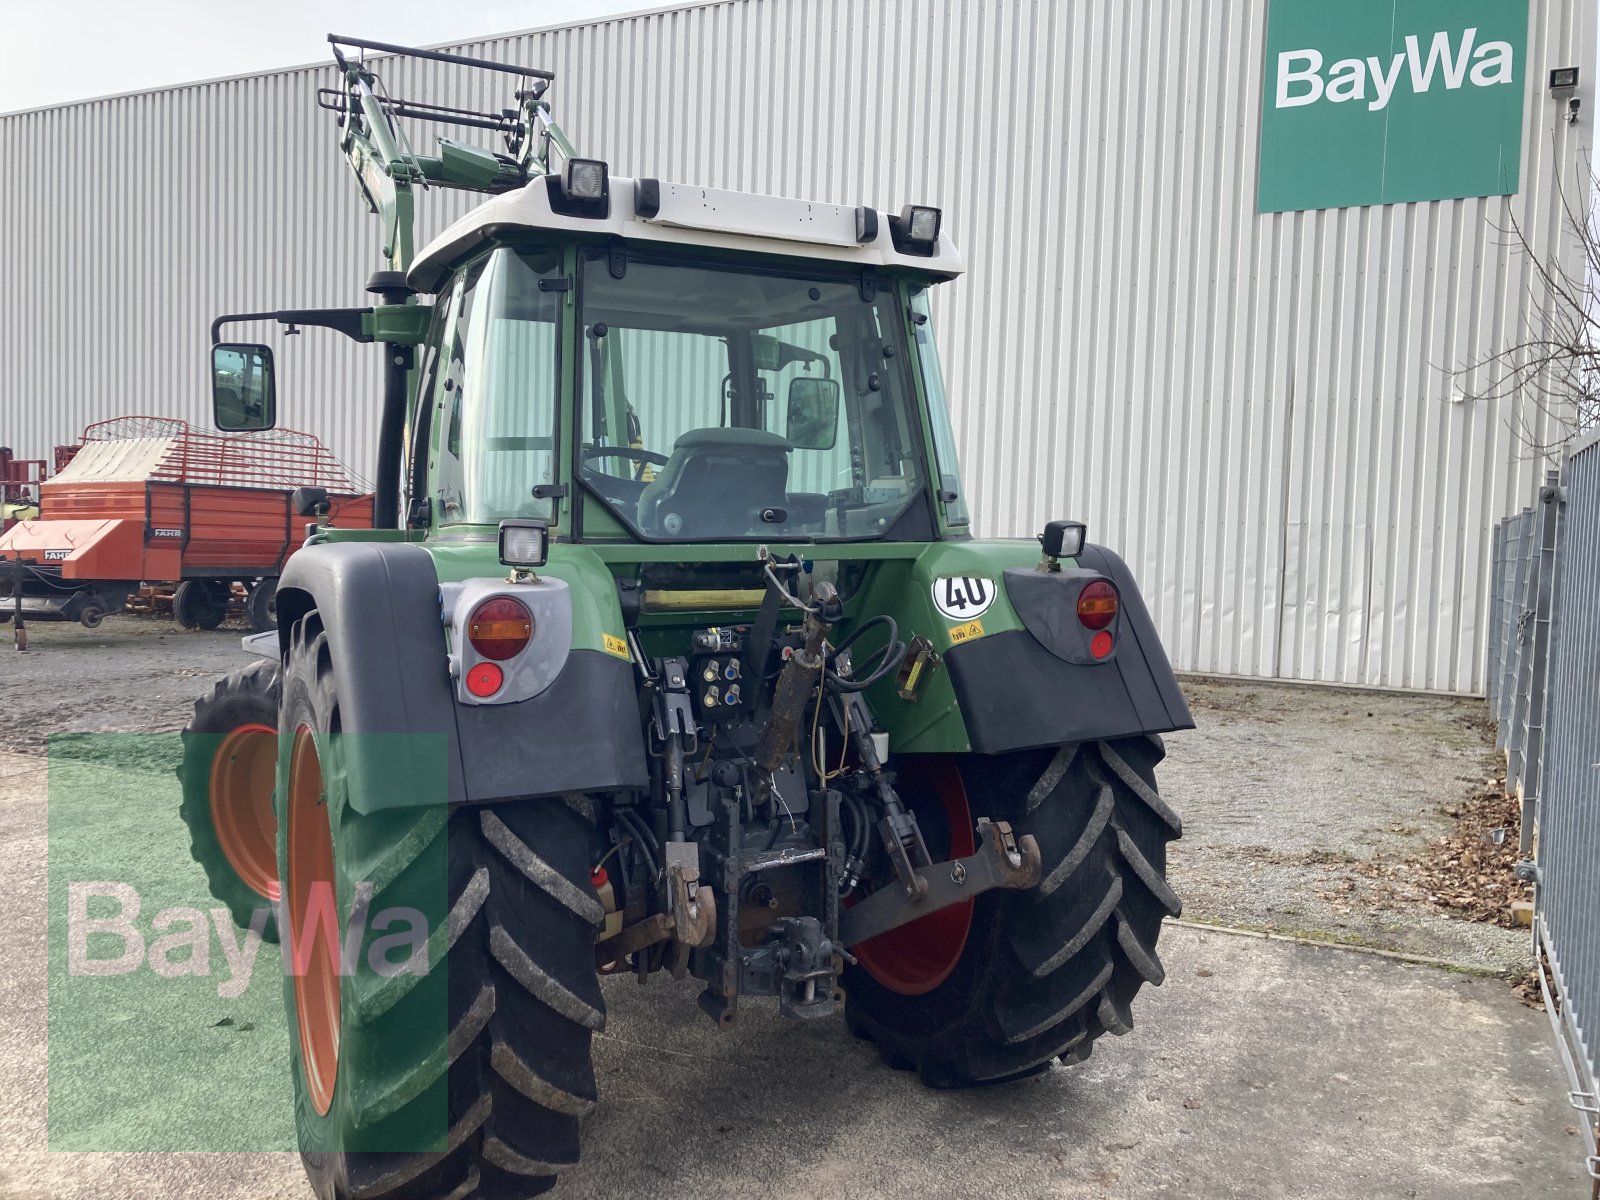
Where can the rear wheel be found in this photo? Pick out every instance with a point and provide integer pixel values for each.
(466, 1078)
(261, 606)
(200, 603)
(999, 987)
(230, 750)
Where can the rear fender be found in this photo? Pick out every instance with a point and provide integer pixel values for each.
(1037, 685)
(379, 603)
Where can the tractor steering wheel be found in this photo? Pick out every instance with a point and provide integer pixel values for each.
(631, 453)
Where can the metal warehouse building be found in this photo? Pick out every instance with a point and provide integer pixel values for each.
(1220, 254)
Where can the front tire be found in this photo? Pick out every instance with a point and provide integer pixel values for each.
(230, 749)
(468, 1079)
(1023, 978)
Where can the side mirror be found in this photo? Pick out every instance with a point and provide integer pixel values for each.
(813, 418)
(309, 501)
(243, 397)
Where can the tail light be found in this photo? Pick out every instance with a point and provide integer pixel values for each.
(1097, 605)
(500, 628)
(484, 680)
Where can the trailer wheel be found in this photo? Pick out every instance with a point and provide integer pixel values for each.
(230, 751)
(200, 603)
(998, 987)
(90, 615)
(467, 1078)
(261, 606)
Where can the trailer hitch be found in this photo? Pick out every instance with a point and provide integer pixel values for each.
(1002, 860)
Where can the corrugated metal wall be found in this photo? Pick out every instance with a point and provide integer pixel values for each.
(1250, 408)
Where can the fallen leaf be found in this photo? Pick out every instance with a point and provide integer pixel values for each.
(1203, 973)
(1191, 1103)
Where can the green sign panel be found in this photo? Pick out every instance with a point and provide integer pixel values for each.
(1390, 101)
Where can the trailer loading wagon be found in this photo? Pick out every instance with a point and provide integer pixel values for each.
(149, 498)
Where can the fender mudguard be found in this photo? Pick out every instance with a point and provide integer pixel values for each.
(1030, 687)
(415, 744)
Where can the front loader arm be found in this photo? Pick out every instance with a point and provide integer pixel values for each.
(388, 170)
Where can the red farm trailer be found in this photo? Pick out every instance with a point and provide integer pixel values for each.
(151, 499)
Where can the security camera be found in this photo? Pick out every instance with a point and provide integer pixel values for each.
(1573, 105)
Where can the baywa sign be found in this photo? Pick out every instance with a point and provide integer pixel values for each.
(1390, 101)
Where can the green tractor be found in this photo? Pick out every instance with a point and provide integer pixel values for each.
(670, 651)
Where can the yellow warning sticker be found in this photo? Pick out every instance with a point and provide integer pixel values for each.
(617, 646)
(965, 633)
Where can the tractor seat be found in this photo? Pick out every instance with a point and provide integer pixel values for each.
(716, 484)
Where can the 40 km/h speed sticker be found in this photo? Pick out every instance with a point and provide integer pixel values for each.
(963, 597)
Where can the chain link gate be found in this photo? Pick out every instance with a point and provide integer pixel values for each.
(1544, 690)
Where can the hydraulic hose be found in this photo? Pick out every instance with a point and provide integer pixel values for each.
(887, 660)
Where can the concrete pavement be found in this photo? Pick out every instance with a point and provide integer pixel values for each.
(1261, 1069)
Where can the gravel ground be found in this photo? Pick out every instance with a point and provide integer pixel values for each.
(1287, 792)
(1250, 1073)
(1259, 1070)
(132, 675)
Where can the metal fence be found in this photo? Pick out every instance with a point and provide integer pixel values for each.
(1544, 690)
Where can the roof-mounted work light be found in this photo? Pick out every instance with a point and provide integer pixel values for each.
(919, 224)
(585, 179)
(583, 189)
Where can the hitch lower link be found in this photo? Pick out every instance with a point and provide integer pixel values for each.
(1002, 860)
(690, 919)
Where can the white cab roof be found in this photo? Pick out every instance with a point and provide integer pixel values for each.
(690, 216)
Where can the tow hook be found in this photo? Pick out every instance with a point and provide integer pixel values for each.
(1002, 860)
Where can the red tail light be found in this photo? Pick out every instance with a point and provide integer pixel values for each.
(484, 680)
(1097, 605)
(500, 628)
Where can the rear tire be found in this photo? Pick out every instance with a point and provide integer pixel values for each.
(200, 604)
(1035, 975)
(467, 1080)
(230, 750)
(261, 606)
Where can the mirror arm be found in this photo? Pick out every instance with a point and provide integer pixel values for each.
(348, 321)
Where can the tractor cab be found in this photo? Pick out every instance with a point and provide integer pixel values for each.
(654, 367)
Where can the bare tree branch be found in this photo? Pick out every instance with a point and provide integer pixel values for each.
(1551, 374)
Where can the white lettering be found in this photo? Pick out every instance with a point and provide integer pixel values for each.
(1311, 76)
(415, 936)
(1454, 61)
(1496, 55)
(195, 937)
(1347, 80)
(240, 953)
(1455, 71)
(1384, 84)
(80, 925)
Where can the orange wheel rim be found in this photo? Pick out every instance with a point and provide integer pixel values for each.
(313, 921)
(917, 957)
(242, 775)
